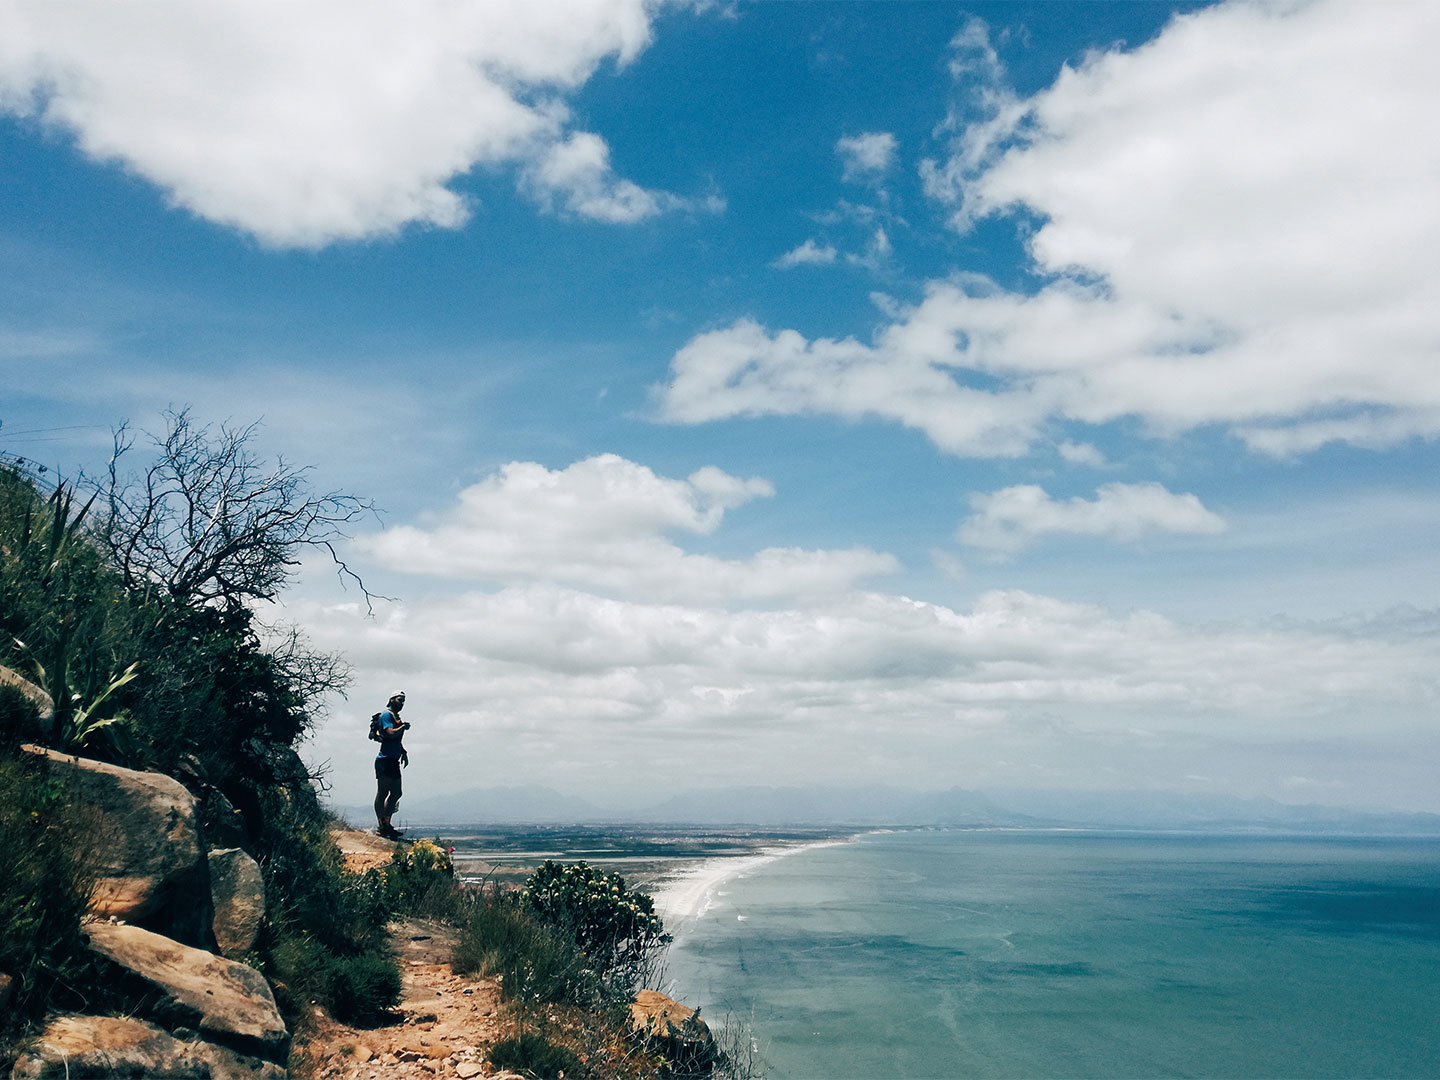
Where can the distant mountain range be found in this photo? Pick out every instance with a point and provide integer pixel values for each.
(879, 806)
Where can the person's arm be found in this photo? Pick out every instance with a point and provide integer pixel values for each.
(394, 730)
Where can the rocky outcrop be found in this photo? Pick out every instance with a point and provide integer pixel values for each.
(675, 1032)
(238, 895)
(224, 1001)
(112, 1046)
(151, 866)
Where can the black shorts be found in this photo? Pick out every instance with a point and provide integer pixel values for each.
(387, 768)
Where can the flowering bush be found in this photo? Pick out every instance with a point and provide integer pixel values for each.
(427, 855)
(616, 926)
(420, 880)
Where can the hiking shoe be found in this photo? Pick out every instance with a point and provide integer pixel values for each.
(389, 833)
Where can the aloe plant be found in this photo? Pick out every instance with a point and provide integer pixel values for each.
(82, 724)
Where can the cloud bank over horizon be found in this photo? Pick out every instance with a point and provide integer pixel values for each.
(596, 629)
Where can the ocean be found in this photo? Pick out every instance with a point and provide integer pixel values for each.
(1012, 954)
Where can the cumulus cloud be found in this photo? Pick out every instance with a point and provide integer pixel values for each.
(604, 523)
(1013, 517)
(1233, 225)
(867, 156)
(807, 254)
(876, 253)
(745, 370)
(1082, 454)
(305, 124)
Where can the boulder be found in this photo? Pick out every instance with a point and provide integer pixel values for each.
(226, 1064)
(7, 990)
(82, 1046)
(149, 861)
(225, 1001)
(238, 896)
(113, 1046)
(677, 1033)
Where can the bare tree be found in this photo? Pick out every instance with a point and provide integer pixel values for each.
(208, 522)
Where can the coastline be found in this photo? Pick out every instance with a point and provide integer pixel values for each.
(684, 896)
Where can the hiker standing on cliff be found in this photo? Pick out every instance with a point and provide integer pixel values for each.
(388, 729)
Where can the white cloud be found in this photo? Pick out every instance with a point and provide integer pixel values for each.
(304, 124)
(548, 679)
(812, 254)
(1082, 454)
(1013, 517)
(603, 523)
(875, 255)
(744, 370)
(867, 156)
(1235, 227)
(807, 254)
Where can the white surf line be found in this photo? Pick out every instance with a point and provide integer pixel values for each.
(686, 896)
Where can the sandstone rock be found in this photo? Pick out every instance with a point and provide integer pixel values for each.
(226, 1064)
(225, 1001)
(466, 1069)
(111, 1046)
(673, 1030)
(151, 870)
(108, 1046)
(238, 896)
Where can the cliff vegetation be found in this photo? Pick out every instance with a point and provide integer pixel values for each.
(129, 639)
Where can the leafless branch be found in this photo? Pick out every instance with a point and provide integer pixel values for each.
(208, 522)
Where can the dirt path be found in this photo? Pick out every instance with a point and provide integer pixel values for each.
(446, 1022)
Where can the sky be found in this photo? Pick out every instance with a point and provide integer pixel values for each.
(921, 394)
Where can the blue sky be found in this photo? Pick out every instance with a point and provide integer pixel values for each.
(998, 394)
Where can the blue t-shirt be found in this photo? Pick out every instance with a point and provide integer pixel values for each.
(389, 748)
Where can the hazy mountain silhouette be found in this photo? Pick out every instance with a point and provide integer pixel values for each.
(879, 806)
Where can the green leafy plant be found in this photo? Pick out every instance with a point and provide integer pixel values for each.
(613, 924)
(535, 963)
(80, 725)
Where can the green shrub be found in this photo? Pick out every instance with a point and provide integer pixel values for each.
(360, 989)
(534, 962)
(420, 880)
(45, 883)
(363, 989)
(614, 925)
(325, 942)
(533, 1055)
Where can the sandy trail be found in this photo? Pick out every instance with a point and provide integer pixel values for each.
(445, 1023)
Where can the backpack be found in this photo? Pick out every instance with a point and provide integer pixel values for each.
(375, 728)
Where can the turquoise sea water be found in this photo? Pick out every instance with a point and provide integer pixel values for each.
(1009, 954)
